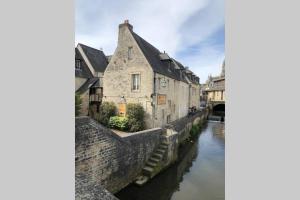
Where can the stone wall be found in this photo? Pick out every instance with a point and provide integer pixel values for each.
(118, 75)
(84, 109)
(184, 125)
(103, 158)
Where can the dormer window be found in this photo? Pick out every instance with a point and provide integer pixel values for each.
(77, 65)
(129, 53)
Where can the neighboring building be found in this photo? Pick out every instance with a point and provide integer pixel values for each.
(139, 73)
(215, 89)
(203, 95)
(90, 64)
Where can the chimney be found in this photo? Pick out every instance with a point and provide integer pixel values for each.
(126, 23)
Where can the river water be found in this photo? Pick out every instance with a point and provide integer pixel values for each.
(198, 174)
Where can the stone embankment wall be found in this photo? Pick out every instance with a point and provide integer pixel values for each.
(104, 158)
(184, 125)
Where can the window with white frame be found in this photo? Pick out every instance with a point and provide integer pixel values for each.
(135, 79)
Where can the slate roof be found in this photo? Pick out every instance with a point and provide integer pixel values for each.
(96, 57)
(164, 67)
(85, 71)
(91, 82)
(160, 62)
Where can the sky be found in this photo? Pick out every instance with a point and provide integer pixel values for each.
(191, 31)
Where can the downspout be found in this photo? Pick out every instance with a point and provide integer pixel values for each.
(153, 100)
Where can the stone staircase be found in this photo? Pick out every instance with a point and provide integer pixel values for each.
(153, 164)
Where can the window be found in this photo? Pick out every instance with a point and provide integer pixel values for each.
(135, 78)
(163, 115)
(170, 104)
(129, 53)
(168, 118)
(77, 65)
(159, 82)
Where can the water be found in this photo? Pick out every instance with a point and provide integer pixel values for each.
(197, 175)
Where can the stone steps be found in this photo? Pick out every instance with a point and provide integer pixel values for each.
(148, 171)
(151, 164)
(158, 155)
(155, 159)
(152, 159)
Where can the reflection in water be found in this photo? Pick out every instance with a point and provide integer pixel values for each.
(197, 175)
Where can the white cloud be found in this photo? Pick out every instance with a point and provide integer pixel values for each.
(170, 25)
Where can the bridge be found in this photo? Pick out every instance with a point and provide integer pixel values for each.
(217, 109)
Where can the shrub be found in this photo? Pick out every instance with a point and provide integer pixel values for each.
(135, 114)
(135, 111)
(107, 110)
(78, 102)
(120, 123)
(135, 125)
(195, 129)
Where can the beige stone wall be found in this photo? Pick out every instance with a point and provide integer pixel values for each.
(84, 110)
(176, 105)
(216, 95)
(79, 82)
(117, 76)
(117, 84)
(195, 95)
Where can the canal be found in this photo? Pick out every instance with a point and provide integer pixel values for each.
(198, 174)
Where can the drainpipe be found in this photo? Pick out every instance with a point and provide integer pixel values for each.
(153, 100)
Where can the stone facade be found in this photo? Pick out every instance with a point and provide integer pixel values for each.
(90, 64)
(84, 109)
(163, 97)
(117, 76)
(79, 82)
(215, 87)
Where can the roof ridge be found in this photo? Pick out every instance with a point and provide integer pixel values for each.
(91, 47)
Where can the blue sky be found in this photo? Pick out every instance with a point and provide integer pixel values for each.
(191, 31)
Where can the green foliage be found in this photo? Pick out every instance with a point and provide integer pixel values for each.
(135, 114)
(135, 125)
(120, 123)
(107, 110)
(135, 111)
(195, 130)
(78, 102)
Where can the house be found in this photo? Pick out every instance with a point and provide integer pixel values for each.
(90, 64)
(215, 87)
(140, 73)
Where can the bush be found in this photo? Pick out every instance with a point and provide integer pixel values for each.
(195, 130)
(107, 110)
(135, 111)
(135, 125)
(135, 114)
(120, 123)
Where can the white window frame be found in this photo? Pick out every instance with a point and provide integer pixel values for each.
(135, 82)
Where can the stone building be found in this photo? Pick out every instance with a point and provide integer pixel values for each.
(90, 64)
(140, 73)
(215, 91)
